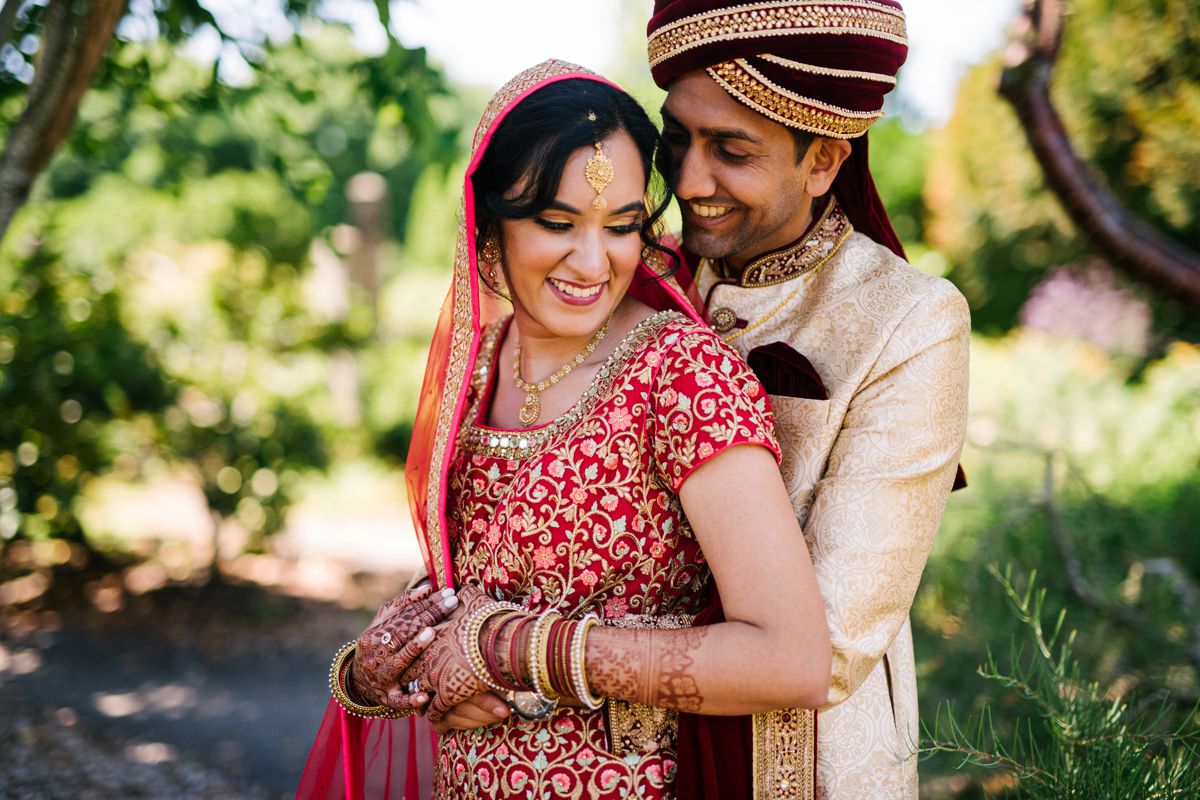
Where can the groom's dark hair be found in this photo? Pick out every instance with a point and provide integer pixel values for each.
(532, 144)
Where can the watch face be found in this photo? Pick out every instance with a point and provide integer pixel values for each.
(528, 705)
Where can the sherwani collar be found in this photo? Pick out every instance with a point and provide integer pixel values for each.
(821, 242)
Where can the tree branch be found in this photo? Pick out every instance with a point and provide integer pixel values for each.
(72, 48)
(8, 19)
(1129, 243)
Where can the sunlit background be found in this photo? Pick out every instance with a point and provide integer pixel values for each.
(215, 306)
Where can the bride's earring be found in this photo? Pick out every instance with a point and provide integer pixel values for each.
(489, 253)
(489, 250)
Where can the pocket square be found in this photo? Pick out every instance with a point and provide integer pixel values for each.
(783, 371)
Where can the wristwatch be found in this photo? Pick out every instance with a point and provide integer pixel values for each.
(530, 706)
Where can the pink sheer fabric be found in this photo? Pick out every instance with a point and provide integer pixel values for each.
(357, 759)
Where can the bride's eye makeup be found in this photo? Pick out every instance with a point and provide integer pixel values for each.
(633, 226)
(558, 226)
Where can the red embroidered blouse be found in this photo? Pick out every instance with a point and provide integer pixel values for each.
(582, 515)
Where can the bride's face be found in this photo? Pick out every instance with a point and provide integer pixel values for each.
(568, 267)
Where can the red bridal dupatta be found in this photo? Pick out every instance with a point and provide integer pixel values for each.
(369, 759)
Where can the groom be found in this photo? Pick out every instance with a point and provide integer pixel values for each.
(798, 266)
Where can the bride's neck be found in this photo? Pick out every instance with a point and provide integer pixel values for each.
(543, 353)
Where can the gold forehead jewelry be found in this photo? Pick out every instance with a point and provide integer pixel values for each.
(599, 173)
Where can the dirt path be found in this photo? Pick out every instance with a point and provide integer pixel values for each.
(179, 694)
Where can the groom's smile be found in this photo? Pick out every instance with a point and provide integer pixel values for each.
(737, 174)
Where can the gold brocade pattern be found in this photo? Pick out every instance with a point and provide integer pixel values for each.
(756, 20)
(752, 88)
(868, 471)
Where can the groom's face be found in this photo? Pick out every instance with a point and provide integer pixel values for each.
(737, 174)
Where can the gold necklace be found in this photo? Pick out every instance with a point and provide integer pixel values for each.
(531, 409)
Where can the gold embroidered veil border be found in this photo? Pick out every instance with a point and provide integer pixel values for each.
(468, 309)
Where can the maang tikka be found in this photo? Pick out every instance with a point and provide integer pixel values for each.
(599, 171)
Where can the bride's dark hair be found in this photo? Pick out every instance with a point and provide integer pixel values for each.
(532, 144)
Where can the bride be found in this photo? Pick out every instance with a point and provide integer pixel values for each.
(586, 469)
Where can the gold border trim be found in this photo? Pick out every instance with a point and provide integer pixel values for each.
(785, 754)
(832, 229)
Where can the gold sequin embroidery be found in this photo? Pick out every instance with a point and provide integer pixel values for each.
(877, 77)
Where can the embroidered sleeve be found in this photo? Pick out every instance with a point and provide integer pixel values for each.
(705, 400)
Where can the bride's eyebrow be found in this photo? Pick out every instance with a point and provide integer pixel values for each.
(558, 205)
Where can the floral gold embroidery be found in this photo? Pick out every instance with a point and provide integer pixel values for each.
(587, 519)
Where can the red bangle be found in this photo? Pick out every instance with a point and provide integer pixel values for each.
(556, 656)
(514, 651)
(565, 649)
(489, 651)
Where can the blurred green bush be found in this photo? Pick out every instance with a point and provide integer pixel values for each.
(1092, 480)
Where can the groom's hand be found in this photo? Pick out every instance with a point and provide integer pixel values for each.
(480, 711)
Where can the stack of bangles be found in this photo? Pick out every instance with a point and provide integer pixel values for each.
(553, 663)
(339, 684)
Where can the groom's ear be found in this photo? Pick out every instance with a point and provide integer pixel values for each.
(824, 158)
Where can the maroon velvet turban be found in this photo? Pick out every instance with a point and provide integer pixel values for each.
(821, 67)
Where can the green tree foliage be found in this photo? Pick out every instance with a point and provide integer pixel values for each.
(1126, 85)
(1094, 482)
(154, 313)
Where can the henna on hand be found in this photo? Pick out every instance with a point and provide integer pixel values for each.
(401, 631)
(443, 667)
(651, 667)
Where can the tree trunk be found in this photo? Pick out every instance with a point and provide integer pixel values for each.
(1142, 252)
(73, 46)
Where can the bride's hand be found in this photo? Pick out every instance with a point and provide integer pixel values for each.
(401, 630)
(443, 669)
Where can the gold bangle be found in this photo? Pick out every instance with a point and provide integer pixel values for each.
(578, 672)
(537, 659)
(341, 694)
(470, 641)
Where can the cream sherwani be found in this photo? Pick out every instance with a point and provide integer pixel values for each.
(868, 470)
